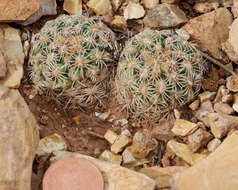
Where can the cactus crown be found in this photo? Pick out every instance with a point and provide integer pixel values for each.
(70, 57)
(158, 71)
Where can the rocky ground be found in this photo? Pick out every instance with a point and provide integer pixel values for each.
(190, 139)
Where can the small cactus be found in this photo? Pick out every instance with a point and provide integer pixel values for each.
(157, 71)
(70, 57)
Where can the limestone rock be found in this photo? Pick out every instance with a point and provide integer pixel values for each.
(213, 144)
(183, 127)
(116, 4)
(203, 111)
(110, 157)
(3, 66)
(120, 143)
(233, 35)
(19, 137)
(100, 7)
(228, 49)
(119, 22)
(206, 6)
(115, 177)
(194, 105)
(49, 144)
(150, 4)
(164, 16)
(127, 156)
(133, 11)
(206, 96)
(218, 171)
(223, 108)
(73, 6)
(235, 8)
(210, 30)
(232, 83)
(110, 136)
(20, 10)
(11, 48)
(235, 104)
(48, 7)
(222, 91)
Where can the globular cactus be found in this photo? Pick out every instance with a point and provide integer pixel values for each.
(158, 71)
(70, 57)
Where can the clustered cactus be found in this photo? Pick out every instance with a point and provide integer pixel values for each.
(70, 57)
(157, 71)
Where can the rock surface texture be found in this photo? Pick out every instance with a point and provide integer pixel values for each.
(115, 177)
(19, 137)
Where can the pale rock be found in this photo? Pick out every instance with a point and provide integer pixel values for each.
(223, 108)
(119, 22)
(233, 35)
(183, 34)
(206, 96)
(150, 4)
(133, 11)
(234, 9)
(19, 136)
(198, 139)
(227, 98)
(73, 6)
(170, 1)
(26, 48)
(3, 66)
(100, 7)
(183, 127)
(142, 145)
(213, 144)
(232, 83)
(110, 157)
(116, 4)
(235, 104)
(20, 10)
(210, 30)
(228, 49)
(126, 132)
(102, 116)
(115, 177)
(206, 6)
(121, 122)
(48, 7)
(49, 144)
(218, 171)
(164, 16)
(222, 91)
(121, 142)
(220, 124)
(177, 114)
(11, 48)
(110, 136)
(194, 105)
(202, 113)
(127, 156)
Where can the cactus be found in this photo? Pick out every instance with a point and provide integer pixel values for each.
(70, 57)
(158, 71)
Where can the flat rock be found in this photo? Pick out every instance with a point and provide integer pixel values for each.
(3, 66)
(223, 108)
(120, 143)
(210, 30)
(164, 16)
(230, 52)
(20, 10)
(218, 171)
(183, 127)
(100, 7)
(203, 111)
(133, 11)
(110, 157)
(150, 4)
(115, 177)
(11, 48)
(19, 137)
(48, 7)
(233, 35)
(73, 6)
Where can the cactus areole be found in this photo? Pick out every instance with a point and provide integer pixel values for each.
(157, 71)
(70, 57)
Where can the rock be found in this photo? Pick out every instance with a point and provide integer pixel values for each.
(234, 9)
(177, 114)
(198, 139)
(204, 7)
(115, 177)
(194, 105)
(228, 49)
(233, 35)
(232, 83)
(235, 104)
(183, 127)
(73, 6)
(100, 7)
(220, 124)
(170, 1)
(35, 182)
(218, 171)
(121, 122)
(11, 48)
(3, 66)
(142, 145)
(223, 108)
(102, 116)
(126, 132)
(206, 96)
(110, 157)
(127, 157)
(213, 144)
(210, 30)
(164, 16)
(119, 22)
(162, 176)
(150, 4)
(116, 4)
(110, 136)
(121, 142)
(19, 137)
(48, 7)
(49, 144)
(202, 113)
(12, 10)
(222, 91)
(133, 11)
